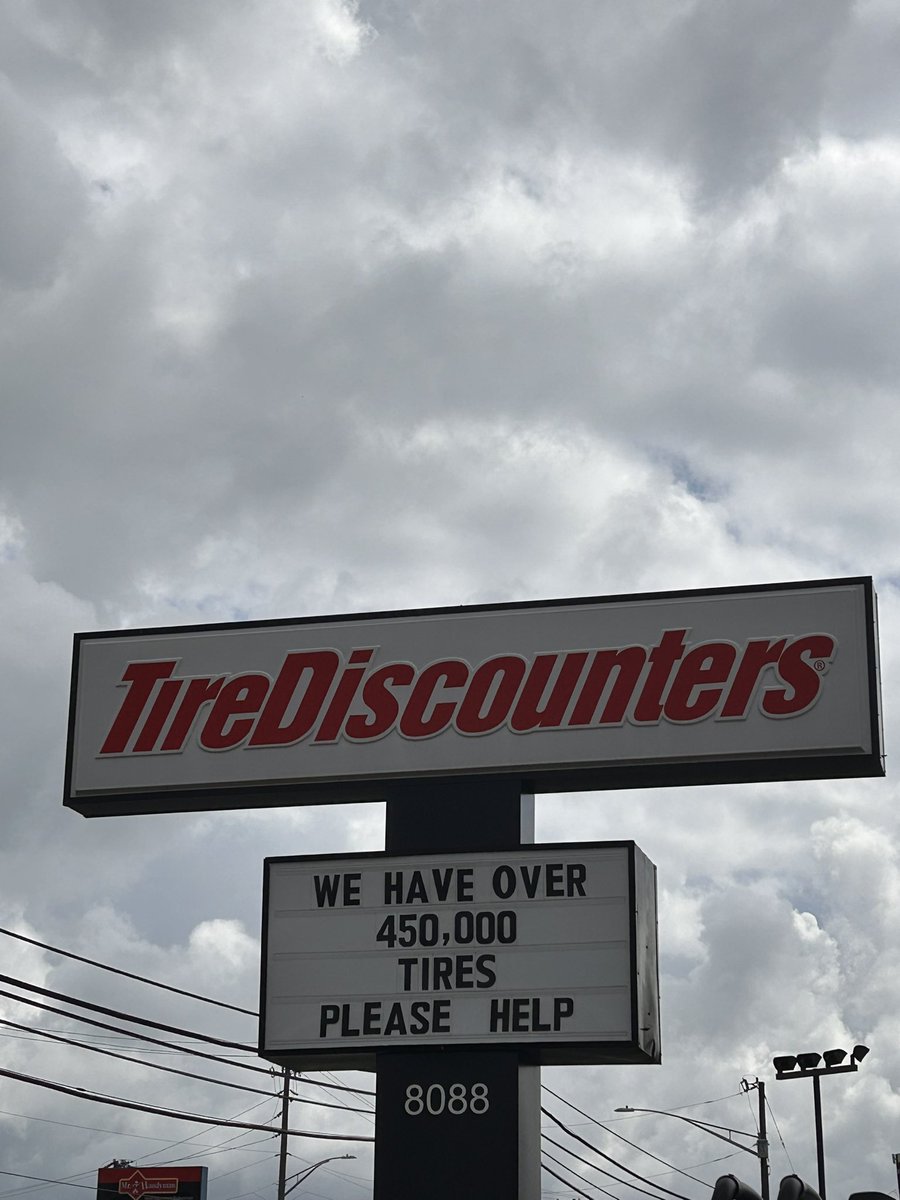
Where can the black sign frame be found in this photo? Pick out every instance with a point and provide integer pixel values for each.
(643, 957)
(833, 764)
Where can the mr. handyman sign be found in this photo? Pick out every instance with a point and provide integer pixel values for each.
(771, 682)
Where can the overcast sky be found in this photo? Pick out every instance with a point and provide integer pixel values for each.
(308, 307)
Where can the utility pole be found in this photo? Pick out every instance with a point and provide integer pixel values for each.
(763, 1142)
(283, 1152)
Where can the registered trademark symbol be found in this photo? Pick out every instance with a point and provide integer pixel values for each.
(819, 664)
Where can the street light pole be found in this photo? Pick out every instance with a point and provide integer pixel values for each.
(724, 1132)
(820, 1137)
(786, 1067)
(307, 1171)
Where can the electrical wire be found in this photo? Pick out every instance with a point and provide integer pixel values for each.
(622, 1137)
(56, 1037)
(127, 974)
(41, 1179)
(123, 1039)
(706, 1163)
(577, 1174)
(184, 1141)
(624, 1182)
(780, 1138)
(596, 1150)
(242, 1047)
(37, 1186)
(139, 1020)
(337, 1087)
(81, 1174)
(166, 1046)
(234, 1171)
(569, 1186)
(352, 1179)
(183, 1050)
(133, 1034)
(330, 1075)
(117, 1102)
(226, 1148)
(5, 1112)
(369, 1112)
(114, 1012)
(177, 1071)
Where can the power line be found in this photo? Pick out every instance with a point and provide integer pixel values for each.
(577, 1174)
(55, 1037)
(5, 1112)
(41, 1179)
(331, 1076)
(778, 1131)
(175, 1070)
(337, 1087)
(596, 1150)
(143, 1021)
(114, 1012)
(185, 1141)
(569, 1186)
(144, 1037)
(624, 1182)
(123, 1039)
(226, 1147)
(370, 1112)
(128, 974)
(82, 1174)
(92, 1187)
(622, 1137)
(166, 1112)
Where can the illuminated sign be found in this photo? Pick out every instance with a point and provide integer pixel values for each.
(775, 682)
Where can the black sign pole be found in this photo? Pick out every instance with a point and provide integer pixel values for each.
(452, 1122)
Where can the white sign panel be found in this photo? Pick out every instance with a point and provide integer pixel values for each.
(755, 683)
(537, 948)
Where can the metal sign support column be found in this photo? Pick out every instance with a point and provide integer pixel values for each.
(454, 1122)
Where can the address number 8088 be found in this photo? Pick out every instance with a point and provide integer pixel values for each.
(456, 1099)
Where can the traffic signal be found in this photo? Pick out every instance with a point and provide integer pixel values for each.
(729, 1187)
(792, 1187)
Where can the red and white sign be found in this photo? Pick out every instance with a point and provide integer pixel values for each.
(137, 1184)
(753, 683)
(186, 1183)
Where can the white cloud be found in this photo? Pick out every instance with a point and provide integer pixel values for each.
(336, 307)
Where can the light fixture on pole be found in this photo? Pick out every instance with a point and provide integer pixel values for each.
(760, 1148)
(307, 1171)
(806, 1066)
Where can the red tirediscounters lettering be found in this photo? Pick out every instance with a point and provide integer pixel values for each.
(320, 695)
